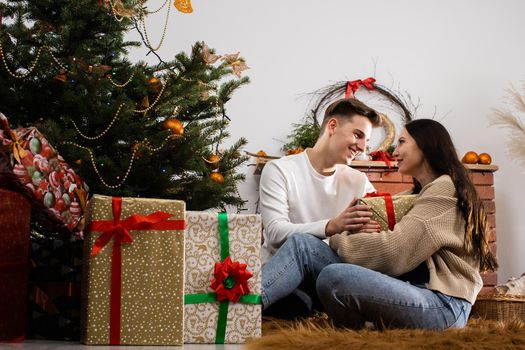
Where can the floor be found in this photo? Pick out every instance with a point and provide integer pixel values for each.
(52, 345)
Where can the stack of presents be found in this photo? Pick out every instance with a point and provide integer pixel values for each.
(133, 271)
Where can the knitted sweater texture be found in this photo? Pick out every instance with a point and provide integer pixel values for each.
(432, 232)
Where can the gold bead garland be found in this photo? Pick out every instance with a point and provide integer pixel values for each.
(92, 157)
(143, 22)
(157, 10)
(103, 132)
(57, 62)
(123, 84)
(154, 102)
(145, 143)
(32, 65)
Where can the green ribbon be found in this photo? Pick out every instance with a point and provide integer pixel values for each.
(220, 333)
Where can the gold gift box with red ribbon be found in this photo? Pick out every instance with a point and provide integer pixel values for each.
(222, 278)
(387, 209)
(133, 272)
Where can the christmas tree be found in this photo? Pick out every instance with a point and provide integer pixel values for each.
(131, 129)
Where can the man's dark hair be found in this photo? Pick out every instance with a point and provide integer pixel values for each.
(347, 108)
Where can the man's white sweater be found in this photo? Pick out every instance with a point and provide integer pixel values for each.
(295, 198)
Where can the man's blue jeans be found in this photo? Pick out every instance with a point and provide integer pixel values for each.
(352, 295)
(296, 264)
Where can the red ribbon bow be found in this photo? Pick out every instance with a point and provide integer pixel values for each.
(384, 156)
(389, 205)
(119, 231)
(231, 280)
(353, 86)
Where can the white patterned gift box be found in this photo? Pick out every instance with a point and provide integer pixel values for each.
(222, 277)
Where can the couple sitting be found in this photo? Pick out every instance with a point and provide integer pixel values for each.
(425, 273)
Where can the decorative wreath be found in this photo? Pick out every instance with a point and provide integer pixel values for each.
(348, 89)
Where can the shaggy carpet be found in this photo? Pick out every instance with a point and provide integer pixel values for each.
(318, 333)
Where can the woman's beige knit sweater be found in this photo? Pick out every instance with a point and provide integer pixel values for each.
(432, 231)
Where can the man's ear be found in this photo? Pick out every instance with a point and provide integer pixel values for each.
(331, 125)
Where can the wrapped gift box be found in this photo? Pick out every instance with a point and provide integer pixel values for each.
(39, 167)
(147, 254)
(15, 212)
(387, 210)
(222, 278)
(54, 288)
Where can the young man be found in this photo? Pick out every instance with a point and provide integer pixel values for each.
(314, 193)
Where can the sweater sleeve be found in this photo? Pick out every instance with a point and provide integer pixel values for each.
(411, 242)
(275, 210)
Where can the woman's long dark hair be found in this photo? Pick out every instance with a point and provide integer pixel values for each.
(437, 146)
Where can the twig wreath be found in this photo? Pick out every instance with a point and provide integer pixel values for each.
(349, 89)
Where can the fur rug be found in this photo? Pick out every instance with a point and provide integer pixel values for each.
(318, 333)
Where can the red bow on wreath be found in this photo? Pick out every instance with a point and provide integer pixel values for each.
(231, 280)
(352, 86)
(384, 156)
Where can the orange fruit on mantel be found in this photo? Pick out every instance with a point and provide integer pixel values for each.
(484, 158)
(470, 157)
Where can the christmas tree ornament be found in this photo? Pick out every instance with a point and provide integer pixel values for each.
(207, 56)
(213, 161)
(118, 9)
(175, 126)
(238, 67)
(154, 85)
(232, 57)
(145, 103)
(61, 76)
(470, 157)
(485, 158)
(217, 177)
(183, 6)
(44, 26)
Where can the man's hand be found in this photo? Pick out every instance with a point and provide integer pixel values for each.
(355, 218)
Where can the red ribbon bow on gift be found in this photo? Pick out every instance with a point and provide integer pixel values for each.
(384, 156)
(119, 231)
(231, 280)
(353, 86)
(389, 206)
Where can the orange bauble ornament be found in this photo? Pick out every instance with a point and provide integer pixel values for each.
(61, 76)
(154, 85)
(484, 158)
(214, 159)
(175, 126)
(295, 151)
(470, 158)
(217, 177)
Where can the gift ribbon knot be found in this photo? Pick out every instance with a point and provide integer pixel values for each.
(389, 205)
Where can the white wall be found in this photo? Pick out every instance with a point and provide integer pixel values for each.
(456, 57)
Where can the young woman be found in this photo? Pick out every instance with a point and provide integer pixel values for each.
(442, 240)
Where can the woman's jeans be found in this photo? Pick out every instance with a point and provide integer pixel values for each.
(353, 295)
